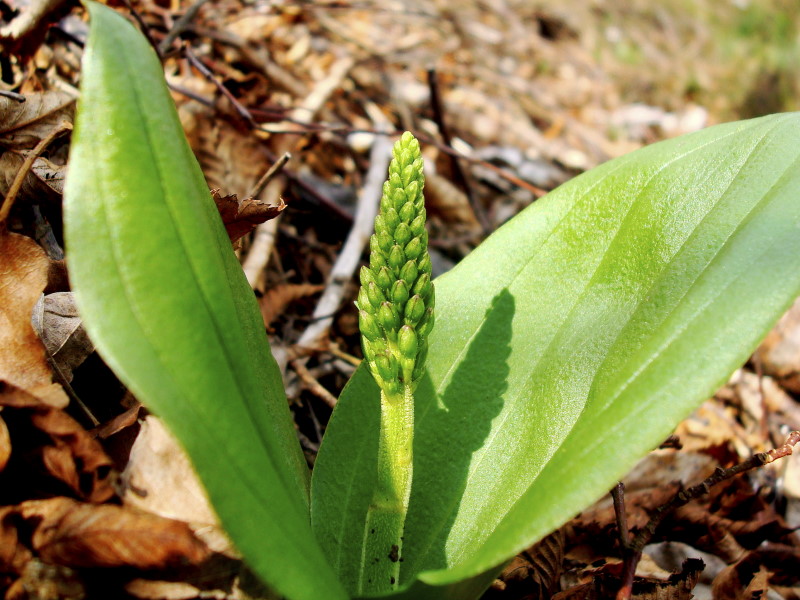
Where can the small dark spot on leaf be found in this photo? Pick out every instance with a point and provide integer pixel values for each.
(391, 580)
(394, 553)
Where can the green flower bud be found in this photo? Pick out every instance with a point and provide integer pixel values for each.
(417, 226)
(384, 278)
(414, 248)
(409, 271)
(407, 369)
(375, 295)
(407, 342)
(363, 302)
(399, 293)
(396, 297)
(366, 275)
(412, 189)
(387, 365)
(426, 324)
(397, 258)
(376, 261)
(388, 319)
(369, 326)
(385, 241)
(380, 224)
(422, 287)
(391, 218)
(399, 200)
(407, 212)
(402, 234)
(415, 308)
(425, 263)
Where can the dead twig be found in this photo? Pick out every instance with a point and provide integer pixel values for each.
(181, 25)
(634, 548)
(267, 177)
(458, 172)
(13, 95)
(311, 383)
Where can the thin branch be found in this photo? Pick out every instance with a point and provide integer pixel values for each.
(267, 177)
(181, 25)
(143, 27)
(13, 95)
(683, 497)
(458, 172)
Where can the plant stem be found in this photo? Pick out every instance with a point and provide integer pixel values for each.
(387, 511)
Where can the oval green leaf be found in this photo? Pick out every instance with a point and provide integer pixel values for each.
(571, 343)
(165, 301)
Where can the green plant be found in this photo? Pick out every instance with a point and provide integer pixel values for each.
(566, 346)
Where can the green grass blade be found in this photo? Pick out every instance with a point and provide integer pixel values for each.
(164, 299)
(574, 340)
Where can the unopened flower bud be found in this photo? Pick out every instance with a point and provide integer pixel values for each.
(407, 342)
(399, 293)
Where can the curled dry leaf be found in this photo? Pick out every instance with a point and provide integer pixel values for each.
(24, 124)
(73, 456)
(75, 534)
(23, 276)
(276, 299)
(242, 216)
(45, 180)
(58, 324)
(13, 554)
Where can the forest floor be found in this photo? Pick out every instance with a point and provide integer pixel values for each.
(509, 99)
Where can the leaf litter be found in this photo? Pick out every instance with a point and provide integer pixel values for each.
(531, 97)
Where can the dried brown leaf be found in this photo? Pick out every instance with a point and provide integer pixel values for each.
(45, 180)
(73, 457)
(24, 124)
(276, 299)
(23, 35)
(13, 554)
(242, 216)
(445, 199)
(160, 479)
(23, 276)
(75, 534)
(60, 327)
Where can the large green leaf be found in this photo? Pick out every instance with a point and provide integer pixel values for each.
(165, 301)
(571, 343)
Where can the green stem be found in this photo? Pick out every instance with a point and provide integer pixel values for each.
(387, 511)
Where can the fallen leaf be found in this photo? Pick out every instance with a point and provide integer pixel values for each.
(242, 216)
(75, 534)
(160, 479)
(23, 276)
(44, 182)
(13, 555)
(276, 299)
(57, 322)
(24, 124)
(73, 456)
(23, 35)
